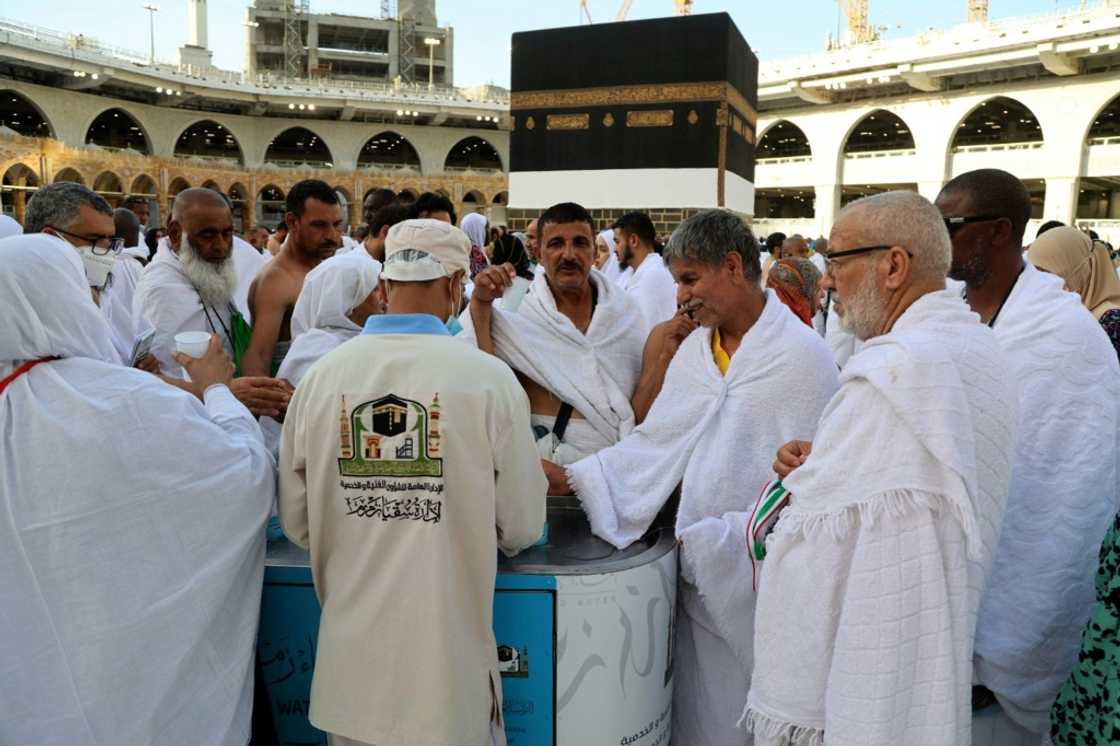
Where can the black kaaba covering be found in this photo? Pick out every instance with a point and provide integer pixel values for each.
(692, 66)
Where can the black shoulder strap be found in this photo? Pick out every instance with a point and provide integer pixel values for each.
(561, 425)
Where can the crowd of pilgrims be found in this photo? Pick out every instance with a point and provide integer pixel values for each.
(892, 457)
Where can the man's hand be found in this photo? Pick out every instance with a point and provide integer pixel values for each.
(557, 478)
(492, 282)
(675, 330)
(791, 456)
(263, 396)
(148, 364)
(213, 367)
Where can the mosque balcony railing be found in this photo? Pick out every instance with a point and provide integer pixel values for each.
(299, 165)
(997, 146)
(471, 171)
(399, 169)
(1113, 140)
(220, 160)
(784, 159)
(863, 154)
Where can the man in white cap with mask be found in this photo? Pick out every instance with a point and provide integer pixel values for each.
(406, 460)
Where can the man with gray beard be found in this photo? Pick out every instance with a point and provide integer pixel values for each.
(189, 286)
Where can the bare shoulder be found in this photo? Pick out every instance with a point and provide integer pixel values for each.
(276, 282)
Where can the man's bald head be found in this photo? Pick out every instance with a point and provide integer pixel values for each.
(993, 193)
(127, 226)
(795, 247)
(196, 197)
(898, 218)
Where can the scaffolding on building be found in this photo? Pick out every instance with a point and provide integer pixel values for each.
(295, 13)
(406, 46)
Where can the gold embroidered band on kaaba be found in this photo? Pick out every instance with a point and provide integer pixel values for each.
(629, 95)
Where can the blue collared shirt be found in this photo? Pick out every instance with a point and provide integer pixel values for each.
(405, 323)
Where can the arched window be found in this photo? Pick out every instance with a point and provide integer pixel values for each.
(879, 130)
(388, 150)
(298, 146)
(996, 121)
(119, 130)
(208, 139)
(19, 114)
(473, 153)
(783, 140)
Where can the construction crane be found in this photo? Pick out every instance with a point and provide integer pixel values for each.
(859, 21)
(684, 8)
(978, 11)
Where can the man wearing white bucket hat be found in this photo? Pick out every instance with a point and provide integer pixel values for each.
(406, 460)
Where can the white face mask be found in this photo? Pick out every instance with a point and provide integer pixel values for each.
(97, 266)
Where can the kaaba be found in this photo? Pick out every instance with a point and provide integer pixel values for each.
(656, 115)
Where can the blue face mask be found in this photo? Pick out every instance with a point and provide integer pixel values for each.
(453, 325)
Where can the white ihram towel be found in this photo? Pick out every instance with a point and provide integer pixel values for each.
(716, 436)
(1063, 496)
(873, 575)
(595, 372)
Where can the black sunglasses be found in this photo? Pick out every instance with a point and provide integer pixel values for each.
(830, 265)
(954, 224)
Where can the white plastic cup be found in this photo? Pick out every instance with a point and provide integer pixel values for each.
(514, 294)
(193, 344)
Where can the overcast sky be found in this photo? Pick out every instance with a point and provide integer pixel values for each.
(773, 28)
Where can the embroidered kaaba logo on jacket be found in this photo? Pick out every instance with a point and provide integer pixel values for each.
(390, 437)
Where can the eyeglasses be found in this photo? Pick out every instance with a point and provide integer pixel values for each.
(954, 224)
(830, 264)
(99, 245)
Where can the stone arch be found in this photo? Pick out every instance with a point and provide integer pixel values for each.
(270, 205)
(118, 129)
(19, 113)
(475, 196)
(144, 186)
(213, 185)
(389, 149)
(295, 146)
(177, 185)
(351, 210)
(208, 139)
(442, 192)
(242, 207)
(783, 139)
(997, 120)
(69, 174)
(19, 182)
(878, 130)
(473, 153)
(109, 186)
(501, 198)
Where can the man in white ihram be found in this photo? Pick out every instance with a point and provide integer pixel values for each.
(575, 343)
(131, 583)
(872, 577)
(708, 432)
(406, 462)
(191, 285)
(649, 283)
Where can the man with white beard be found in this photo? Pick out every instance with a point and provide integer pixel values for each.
(190, 285)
